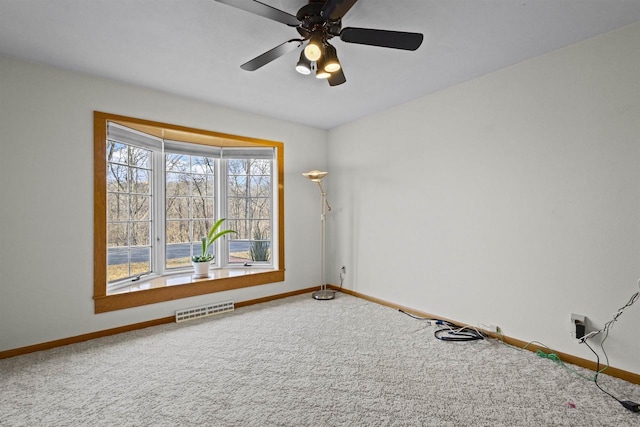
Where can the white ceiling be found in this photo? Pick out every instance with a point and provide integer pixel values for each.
(195, 47)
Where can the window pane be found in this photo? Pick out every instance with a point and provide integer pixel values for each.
(117, 264)
(117, 152)
(251, 229)
(139, 157)
(259, 208)
(260, 167)
(203, 165)
(233, 225)
(117, 234)
(178, 232)
(140, 181)
(238, 186)
(201, 228)
(249, 210)
(190, 191)
(237, 207)
(178, 255)
(177, 162)
(178, 207)
(140, 234)
(261, 230)
(259, 234)
(202, 185)
(118, 207)
(139, 206)
(239, 251)
(203, 207)
(260, 250)
(178, 184)
(252, 208)
(238, 167)
(260, 186)
(240, 226)
(128, 210)
(140, 261)
(117, 178)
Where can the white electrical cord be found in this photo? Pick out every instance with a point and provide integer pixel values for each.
(342, 274)
(629, 404)
(609, 324)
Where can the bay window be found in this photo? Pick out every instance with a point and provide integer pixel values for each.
(159, 188)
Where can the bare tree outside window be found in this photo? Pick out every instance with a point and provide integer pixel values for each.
(249, 208)
(128, 211)
(190, 205)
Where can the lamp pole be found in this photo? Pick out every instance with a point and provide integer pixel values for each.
(324, 293)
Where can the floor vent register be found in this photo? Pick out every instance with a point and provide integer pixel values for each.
(204, 311)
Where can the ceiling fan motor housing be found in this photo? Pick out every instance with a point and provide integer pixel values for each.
(312, 20)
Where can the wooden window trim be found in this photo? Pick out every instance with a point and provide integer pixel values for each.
(102, 301)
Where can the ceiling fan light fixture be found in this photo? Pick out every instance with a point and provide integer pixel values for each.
(304, 65)
(321, 72)
(317, 22)
(313, 49)
(331, 63)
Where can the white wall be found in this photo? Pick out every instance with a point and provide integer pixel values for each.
(46, 197)
(512, 199)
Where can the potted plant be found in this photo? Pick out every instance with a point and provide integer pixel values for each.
(201, 262)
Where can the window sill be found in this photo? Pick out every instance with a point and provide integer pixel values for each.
(183, 285)
(186, 278)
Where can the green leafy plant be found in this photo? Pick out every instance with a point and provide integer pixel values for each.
(208, 240)
(259, 249)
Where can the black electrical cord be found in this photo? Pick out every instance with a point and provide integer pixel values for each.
(461, 334)
(630, 405)
(451, 331)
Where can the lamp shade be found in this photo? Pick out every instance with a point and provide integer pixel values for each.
(331, 63)
(321, 72)
(313, 49)
(315, 175)
(304, 65)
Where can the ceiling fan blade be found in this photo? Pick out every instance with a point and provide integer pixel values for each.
(336, 9)
(383, 38)
(264, 10)
(271, 55)
(336, 78)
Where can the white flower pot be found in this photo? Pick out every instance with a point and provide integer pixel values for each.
(201, 269)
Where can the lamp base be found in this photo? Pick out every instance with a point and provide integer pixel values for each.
(323, 294)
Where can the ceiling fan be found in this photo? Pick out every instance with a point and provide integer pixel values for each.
(318, 22)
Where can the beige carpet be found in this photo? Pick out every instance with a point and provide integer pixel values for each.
(301, 362)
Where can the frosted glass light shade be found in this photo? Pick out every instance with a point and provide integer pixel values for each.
(304, 65)
(315, 175)
(312, 51)
(331, 63)
(321, 71)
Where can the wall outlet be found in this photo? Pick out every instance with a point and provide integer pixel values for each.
(493, 328)
(578, 325)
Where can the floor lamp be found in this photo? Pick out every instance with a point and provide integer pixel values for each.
(317, 176)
